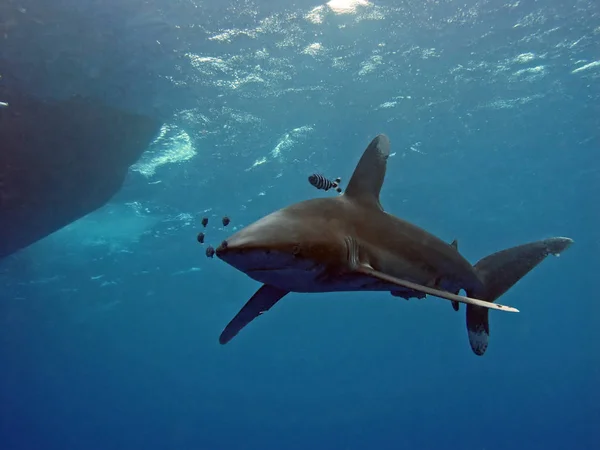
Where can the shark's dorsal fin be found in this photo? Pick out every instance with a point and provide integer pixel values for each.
(367, 179)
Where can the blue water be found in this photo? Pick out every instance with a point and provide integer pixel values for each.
(109, 328)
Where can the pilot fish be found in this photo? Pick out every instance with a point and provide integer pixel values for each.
(320, 182)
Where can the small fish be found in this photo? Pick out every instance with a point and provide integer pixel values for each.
(320, 182)
(226, 221)
(200, 237)
(3, 104)
(204, 221)
(210, 252)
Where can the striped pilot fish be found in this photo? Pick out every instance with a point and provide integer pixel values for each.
(320, 182)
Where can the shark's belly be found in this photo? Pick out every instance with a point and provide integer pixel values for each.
(289, 279)
(318, 280)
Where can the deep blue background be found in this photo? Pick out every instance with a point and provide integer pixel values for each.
(108, 329)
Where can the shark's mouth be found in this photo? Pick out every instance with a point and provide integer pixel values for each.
(296, 268)
(267, 269)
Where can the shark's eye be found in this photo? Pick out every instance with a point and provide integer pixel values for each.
(296, 250)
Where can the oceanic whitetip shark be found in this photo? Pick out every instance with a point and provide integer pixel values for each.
(349, 243)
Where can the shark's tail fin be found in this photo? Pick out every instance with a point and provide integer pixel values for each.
(499, 272)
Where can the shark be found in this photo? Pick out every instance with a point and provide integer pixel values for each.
(349, 243)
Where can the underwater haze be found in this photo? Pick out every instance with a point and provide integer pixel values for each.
(109, 327)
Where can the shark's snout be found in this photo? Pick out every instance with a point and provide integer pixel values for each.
(235, 251)
(251, 256)
(222, 249)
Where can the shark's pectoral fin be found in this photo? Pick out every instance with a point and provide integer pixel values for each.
(260, 302)
(368, 270)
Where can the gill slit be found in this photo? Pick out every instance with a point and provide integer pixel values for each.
(352, 252)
